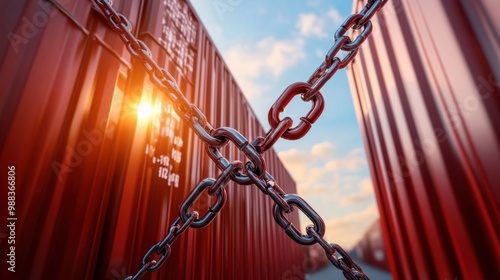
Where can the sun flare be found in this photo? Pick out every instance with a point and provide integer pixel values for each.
(144, 110)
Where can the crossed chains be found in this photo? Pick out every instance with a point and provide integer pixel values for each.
(255, 169)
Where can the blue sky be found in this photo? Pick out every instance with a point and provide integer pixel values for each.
(269, 45)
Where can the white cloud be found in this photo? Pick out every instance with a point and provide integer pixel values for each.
(334, 185)
(322, 150)
(353, 161)
(300, 165)
(365, 192)
(293, 157)
(316, 173)
(348, 229)
(284, 54)
(311, 25)
(314, 25)
(268, 56)
(334, 15)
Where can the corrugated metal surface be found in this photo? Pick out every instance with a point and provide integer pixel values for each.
(426, 88)
(98, 185)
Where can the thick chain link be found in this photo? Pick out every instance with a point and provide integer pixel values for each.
(254, 170)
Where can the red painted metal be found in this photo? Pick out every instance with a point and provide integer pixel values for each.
(426, 89)
(316, 258)
(371, 249)
(97, 184)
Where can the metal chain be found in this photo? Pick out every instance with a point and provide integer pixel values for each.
(188, 219)
(254, 169)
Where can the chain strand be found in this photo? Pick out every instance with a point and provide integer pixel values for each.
(254, 169)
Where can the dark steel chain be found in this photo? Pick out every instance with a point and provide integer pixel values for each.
(255, 168)
(285, 203)
(188, 219)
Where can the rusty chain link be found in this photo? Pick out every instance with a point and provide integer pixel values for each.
(254, 169)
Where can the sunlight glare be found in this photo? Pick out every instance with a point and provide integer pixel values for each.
(144, 110)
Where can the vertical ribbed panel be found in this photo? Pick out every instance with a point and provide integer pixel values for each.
(98, 185)
(426, 89)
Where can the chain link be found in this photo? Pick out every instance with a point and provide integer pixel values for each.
(263, 144)
(342, 42)
(337, 256)
(298, 202)
(269, 187)
(318, 104)
(212, 210)
(188, 219)
(162, 248)
(255, 168)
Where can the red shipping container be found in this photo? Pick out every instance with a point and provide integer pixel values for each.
(426, 90)
(102, 162)
(371, 249)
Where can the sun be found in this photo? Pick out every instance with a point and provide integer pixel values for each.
(144, 110)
